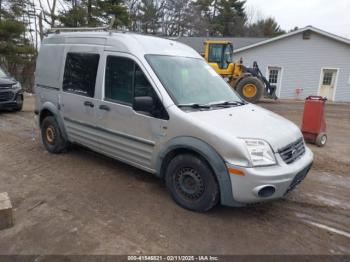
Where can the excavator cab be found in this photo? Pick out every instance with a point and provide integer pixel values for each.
(248, 82)
(219, 54)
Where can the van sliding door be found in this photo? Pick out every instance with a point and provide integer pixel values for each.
(78, 102)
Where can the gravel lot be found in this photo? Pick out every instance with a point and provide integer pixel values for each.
(85, 203)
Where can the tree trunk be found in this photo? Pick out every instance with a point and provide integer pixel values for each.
(52, 13)
(89, 10)
(0, 9)
(41, 27)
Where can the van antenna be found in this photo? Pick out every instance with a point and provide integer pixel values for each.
(109, 27)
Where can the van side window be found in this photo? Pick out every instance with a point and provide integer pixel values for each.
(142, 85)
(80, 73)
(119, 79)
(125, 80)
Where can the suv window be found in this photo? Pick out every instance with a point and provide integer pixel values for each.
(80, 73)
(125, 80)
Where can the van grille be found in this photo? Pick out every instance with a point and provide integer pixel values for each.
(293, 151)
(6, 96)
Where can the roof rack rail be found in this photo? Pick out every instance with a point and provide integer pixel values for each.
(108, 27)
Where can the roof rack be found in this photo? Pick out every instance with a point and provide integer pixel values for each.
(108, 27)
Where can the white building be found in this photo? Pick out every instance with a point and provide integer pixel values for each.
(305, 62)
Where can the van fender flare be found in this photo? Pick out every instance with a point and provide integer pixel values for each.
(210, 155)
(49, 106)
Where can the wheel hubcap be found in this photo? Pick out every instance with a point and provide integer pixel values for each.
(189, 183)
(249, 90)
(323, 140)
(50, 135)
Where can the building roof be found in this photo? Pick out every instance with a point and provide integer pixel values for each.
(197, 43)
(301, 30)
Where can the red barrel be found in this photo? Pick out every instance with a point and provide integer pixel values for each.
(314, 123)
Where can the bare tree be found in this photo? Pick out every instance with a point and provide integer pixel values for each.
(48, 11)
(134, 12)
(253, 14)
(177, 17)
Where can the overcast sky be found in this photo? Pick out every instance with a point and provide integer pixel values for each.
(330, 15)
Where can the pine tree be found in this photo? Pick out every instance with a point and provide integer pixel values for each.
(17, 52)
(94, 13)
(150, 15)
(231, 18)
(265, 28)
(220, 17)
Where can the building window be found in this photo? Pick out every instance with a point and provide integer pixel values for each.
(80, 73)
(273, 76)
(327, 78)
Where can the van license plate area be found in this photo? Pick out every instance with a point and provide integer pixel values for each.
(299, 178)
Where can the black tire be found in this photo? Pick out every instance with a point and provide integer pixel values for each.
(52, 136)
(250, 80)
(321, 139)
(191, 183)
(19, 101)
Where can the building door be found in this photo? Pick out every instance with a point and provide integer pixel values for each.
(328, 79)
(275, 76)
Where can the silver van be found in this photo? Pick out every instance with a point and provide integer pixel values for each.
(157, 105)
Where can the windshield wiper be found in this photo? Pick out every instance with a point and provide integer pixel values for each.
(229, 103)
(195, 106)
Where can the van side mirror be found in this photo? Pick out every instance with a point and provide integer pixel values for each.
(144, 104)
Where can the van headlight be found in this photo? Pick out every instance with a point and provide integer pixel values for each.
(260, 152)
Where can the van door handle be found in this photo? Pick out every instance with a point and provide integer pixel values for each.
(105, 108)
(88, 103)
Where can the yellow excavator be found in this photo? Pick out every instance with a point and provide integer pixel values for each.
(250, 83)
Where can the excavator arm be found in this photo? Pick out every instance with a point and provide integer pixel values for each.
(270, 90)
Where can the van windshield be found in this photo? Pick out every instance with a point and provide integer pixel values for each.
(191, 81)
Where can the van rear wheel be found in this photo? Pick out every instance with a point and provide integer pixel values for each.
(191, 183)
(52, 136)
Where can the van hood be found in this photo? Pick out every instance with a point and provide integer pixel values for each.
(251, 121)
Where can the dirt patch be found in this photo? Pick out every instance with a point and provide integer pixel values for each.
(85, 203)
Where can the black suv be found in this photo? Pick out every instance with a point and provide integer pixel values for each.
(11, 94)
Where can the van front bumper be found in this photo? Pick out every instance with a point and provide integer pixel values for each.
(272, 182)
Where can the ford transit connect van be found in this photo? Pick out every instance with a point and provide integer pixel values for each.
(157, 105)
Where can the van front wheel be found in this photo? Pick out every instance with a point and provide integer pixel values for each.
(191, 183)
(52, 136)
